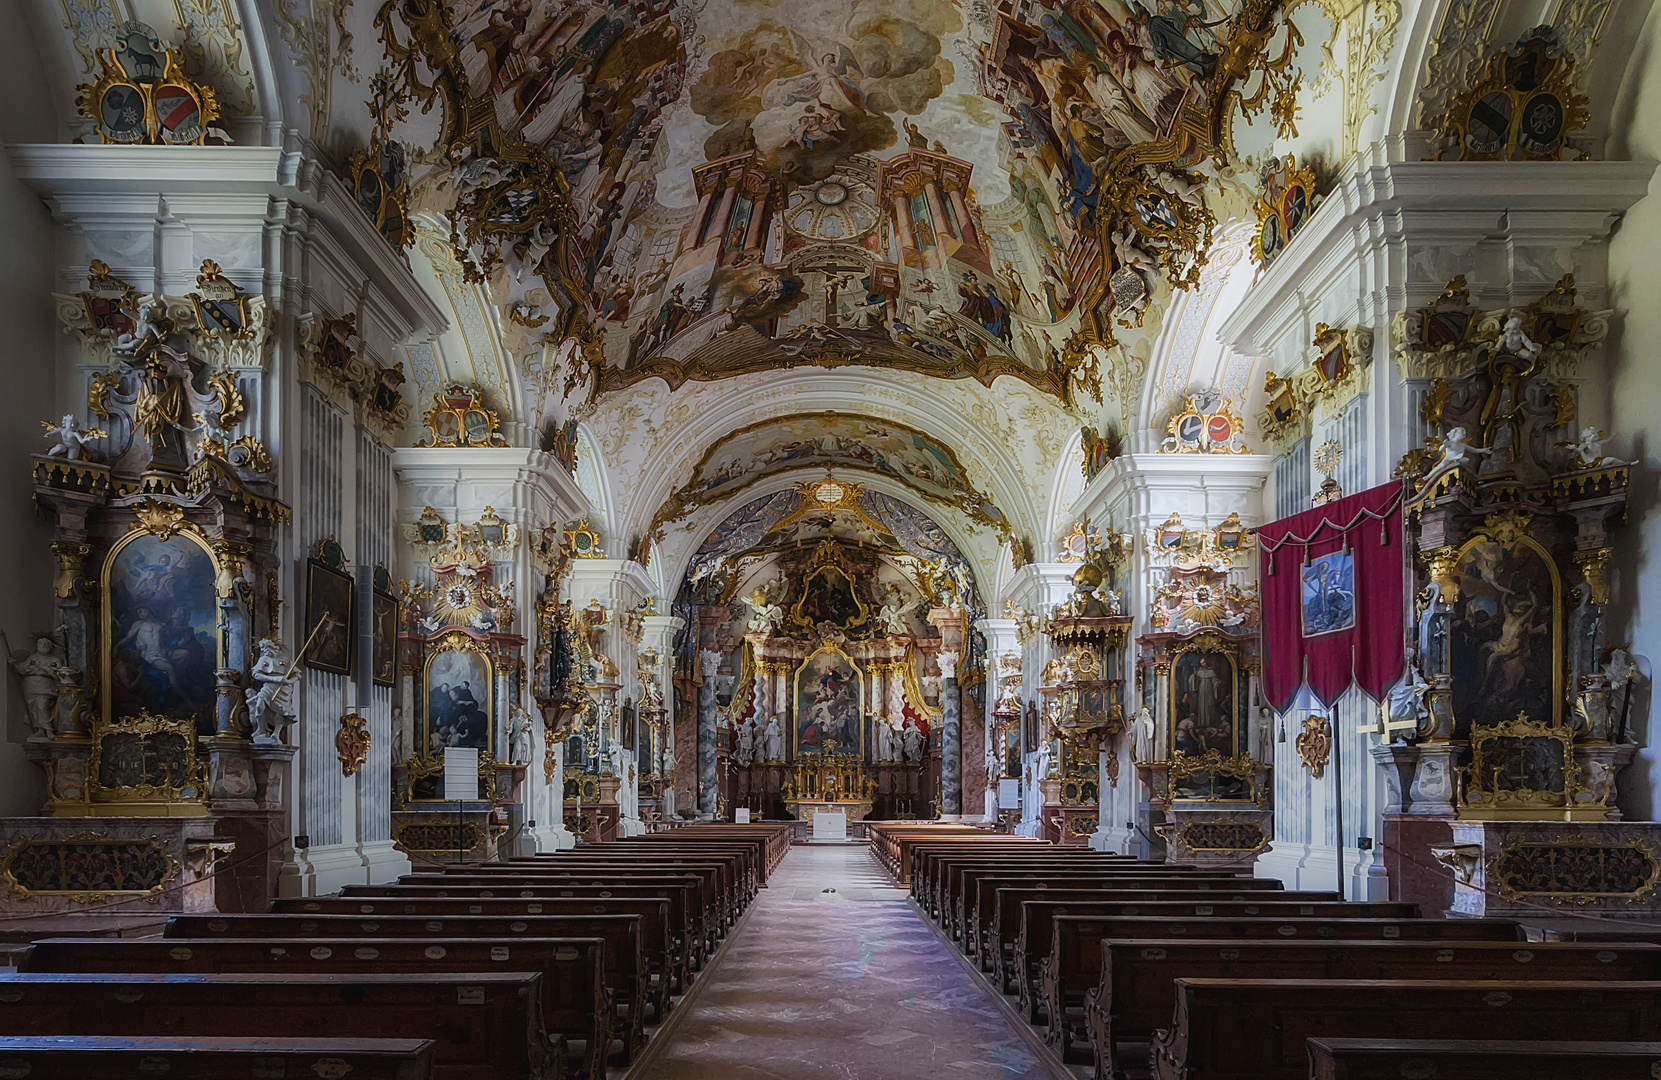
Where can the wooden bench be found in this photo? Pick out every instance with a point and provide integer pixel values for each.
(1483, 1059)
(664, 959)
(980, 887)
(1256, 1029)
(100, 1057)
(1135, 991)
(965, 891)
(575, 1002)
(737, 868)
(1003, 924)
(1039, 931)
(950, 885)
(484, 1026)
(893, 843)
(626, 966)
(682, 927)
(702, 908)
(717, 877)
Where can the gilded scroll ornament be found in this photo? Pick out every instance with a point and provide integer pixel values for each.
(1314, 744)
(352, 743)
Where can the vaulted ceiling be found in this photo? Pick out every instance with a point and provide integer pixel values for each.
(915, 243)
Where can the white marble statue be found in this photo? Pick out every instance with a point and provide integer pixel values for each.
(472, 173)
(1406, 700)
(994, 761)
(1514, 342)
(892, 615)
(151, 322)
(765, 615)
(744, 741)
(1144, 734)
(74, 442)
(519, 736)
(268, 697)
(39, 672)
(775, 740)
(397, 734)
(1454, 449)
(1588, 451)
(913, 740)
(888, 742)
(948, 664)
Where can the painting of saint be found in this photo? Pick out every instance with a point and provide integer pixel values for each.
(458, 701)
(329, 593)
(1502, 640)
(829, 598)
(163, 629)
(829, 704)
(384, 653)
(1203, 704)
(1328, 594)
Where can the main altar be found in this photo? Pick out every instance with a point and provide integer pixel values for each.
(837, 690)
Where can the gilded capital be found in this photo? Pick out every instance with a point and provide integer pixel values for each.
(1594, 569)
(1440, 564)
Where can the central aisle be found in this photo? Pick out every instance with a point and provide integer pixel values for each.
(847, 984)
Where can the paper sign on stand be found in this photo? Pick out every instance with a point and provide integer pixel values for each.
(461, 774)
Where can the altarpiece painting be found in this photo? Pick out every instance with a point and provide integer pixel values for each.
(162, 635)
(830, 703)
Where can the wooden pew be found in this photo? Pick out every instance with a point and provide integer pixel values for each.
(965, 889)
(626, 965)
(1001, 925)
(739, 865)
(1255, 1029)
(773, 840)
(1072, 966)
(663, 958)
(703, 908)
(1135, 990)
(718, 877)
(1482, 1059)
(1039, 932)
(484, 1025)
(944, 880)
(892, 842)
(685, 896)
(575, 1002)
(964, 915)
(100, 1057)
(681, 930)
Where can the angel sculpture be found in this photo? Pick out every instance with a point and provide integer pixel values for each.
(766, 615)
(471, 173)
(1588, 450)
(1454, 449)
(268, 697)
(74, 442)
(1512, 341)
(892, 615)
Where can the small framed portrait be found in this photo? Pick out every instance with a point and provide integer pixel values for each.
(384, 649)
(329, 592)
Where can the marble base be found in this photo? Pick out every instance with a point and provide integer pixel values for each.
(68, 865)
(1218, 834)
(1550, 870)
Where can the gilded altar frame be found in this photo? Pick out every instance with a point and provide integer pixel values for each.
(164, 521)
(455, 642)
(1213, 644)
(1482, 797)
(796, 695)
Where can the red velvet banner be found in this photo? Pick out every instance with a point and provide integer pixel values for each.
(1334, 583)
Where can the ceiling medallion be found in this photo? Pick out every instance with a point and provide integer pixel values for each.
(830, 193)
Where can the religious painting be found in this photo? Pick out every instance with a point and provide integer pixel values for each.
(459, 686)
(1504, 644)
(828, 597)
(384, 649)
(830, 703)
(626, 729)
(1204, 712)
(828, 440)
(162, 627)
(329, 592)
(1327, 594)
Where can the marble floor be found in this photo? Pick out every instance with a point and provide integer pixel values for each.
(832, 975)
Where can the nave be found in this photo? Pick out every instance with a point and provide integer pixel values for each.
(832, 974)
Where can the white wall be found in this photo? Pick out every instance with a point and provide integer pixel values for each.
(1632, 359)
(29, 348)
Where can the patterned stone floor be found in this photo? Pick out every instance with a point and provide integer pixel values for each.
(834, 976)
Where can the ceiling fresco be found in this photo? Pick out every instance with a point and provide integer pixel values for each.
(1093, 113)
(831, 441)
